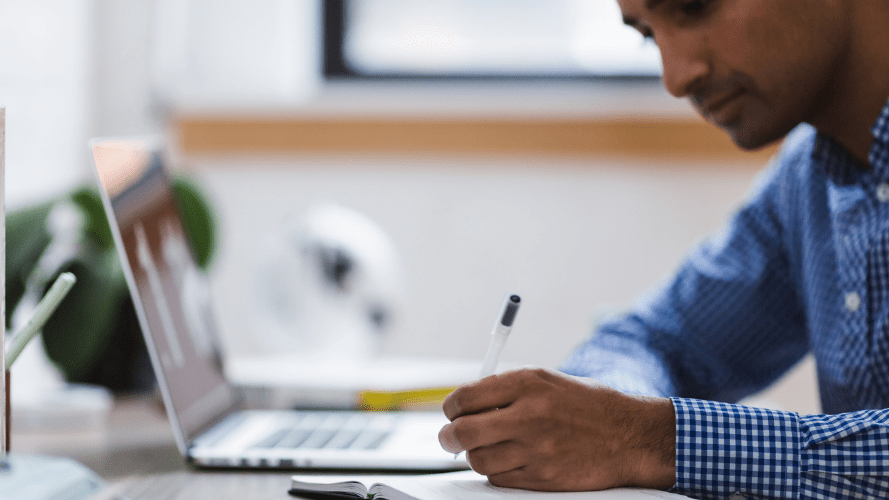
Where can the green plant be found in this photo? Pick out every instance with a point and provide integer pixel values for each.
(95, 324)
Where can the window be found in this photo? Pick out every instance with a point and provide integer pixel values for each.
(483, 38)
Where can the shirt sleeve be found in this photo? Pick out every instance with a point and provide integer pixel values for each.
(728, 323)
(752, 453)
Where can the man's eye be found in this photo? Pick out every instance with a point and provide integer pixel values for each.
(694, 6)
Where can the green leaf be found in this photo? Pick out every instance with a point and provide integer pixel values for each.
(197, 221)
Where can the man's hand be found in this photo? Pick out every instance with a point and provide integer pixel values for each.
(542, 430)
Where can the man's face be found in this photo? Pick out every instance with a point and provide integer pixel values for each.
(755, 68)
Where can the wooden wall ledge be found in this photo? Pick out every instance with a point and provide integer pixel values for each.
(662, 139)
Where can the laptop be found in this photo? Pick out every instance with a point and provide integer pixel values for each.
(172, 301)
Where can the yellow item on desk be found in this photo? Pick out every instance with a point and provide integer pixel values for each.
(413, 399)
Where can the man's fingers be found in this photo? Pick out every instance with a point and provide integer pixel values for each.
(448, 441)
(482, 395)
(496, 391)
(515, 478)
(498, 458)
(473, 431)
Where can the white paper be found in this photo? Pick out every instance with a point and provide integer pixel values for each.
(469, 485)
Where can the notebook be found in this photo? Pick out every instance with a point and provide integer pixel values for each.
(172, 301)
(464, 485)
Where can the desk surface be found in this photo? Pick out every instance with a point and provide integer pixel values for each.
(186, 485)
(137, 439)
(136, 454)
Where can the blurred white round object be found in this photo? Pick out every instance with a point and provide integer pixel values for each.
(331, 283)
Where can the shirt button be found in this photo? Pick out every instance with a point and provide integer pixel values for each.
(853, 301)
(883, 192)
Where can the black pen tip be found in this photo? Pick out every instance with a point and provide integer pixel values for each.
(512, 307)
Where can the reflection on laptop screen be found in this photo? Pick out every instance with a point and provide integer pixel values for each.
(171, 294)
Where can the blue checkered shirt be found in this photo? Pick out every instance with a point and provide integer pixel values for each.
(802, 267)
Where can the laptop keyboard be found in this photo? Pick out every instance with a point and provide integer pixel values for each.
(334, 430)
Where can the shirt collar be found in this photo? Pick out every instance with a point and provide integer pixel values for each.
(841, 166)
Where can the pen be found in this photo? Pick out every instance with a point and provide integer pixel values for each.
(499, 335)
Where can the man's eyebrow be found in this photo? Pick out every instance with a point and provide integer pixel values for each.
(648, 5)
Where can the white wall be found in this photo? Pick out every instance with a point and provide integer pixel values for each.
(126, 102)
(74, 69)
(567, 235)
(45, 85)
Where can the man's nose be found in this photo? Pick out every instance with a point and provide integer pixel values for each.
(685, 62)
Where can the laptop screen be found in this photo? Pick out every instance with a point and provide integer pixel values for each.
(170, 293)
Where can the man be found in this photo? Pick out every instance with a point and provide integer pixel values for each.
(803, 267)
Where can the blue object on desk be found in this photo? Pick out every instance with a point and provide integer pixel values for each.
(31, 477)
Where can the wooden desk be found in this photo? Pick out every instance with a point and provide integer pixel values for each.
(190, 485)
(136, 454)
(137, 440)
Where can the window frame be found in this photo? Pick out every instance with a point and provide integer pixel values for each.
(335, 67)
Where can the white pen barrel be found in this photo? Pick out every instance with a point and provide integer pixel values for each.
(498, 340)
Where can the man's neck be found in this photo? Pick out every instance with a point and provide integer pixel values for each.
(861, 87)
